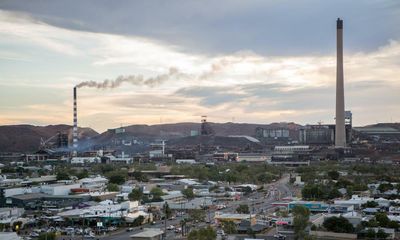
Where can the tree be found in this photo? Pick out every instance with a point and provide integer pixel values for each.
(138, 175)
(251, 232)
(197, 215)
(138, 221)
(370, 204)
(47, 236)
(229, 227)
(156, 192)
(265, 177)
(111, 187)
(188, 192)
(117, 177)
(393, 224)
(312, 192)
(382, 219)
(338, 225)
(381, 234)
(207, 233)
(167, 211)
(383, 187)
(136, 194)
(301, 216)
(334, 175)
(320, 192)
(243, 208)
(62, 175)
(370, 234)
(83, 174)
(247, 191)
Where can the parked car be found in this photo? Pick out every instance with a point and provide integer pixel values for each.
(34, 234)
(280, 236)
(171, 227)
(221, 232)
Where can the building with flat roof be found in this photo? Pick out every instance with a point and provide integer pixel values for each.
(148, 234)
(234, 217)
(292, 155)
(311, 205)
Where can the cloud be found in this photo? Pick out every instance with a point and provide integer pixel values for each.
(247, 85)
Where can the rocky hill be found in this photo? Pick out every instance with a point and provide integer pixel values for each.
(26, 138)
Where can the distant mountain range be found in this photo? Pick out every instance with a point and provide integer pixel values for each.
(26, 138)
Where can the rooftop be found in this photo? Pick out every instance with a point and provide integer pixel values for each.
(148, 233)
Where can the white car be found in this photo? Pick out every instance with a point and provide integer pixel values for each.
(34, 234)
(171, 227)
(280, 236)
(221, 232)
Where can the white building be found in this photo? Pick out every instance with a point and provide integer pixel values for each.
(252, 157)
(59, 189)
(355, 200)
(185, 161)
(123, 159)
(7, 215)
(292, 149)
(94, 183)
(84, 160)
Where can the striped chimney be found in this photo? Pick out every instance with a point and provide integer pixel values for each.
(75, 127)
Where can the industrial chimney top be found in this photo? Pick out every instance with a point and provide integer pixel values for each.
(339, 23)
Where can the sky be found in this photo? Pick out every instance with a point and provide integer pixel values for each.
(241, 61)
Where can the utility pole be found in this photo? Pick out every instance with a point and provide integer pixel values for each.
(165, 220)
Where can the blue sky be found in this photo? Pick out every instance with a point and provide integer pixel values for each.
(254, 61)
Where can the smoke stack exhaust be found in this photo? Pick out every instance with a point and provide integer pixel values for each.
(75, 127)
(340, 132)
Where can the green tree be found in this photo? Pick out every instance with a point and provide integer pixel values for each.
(167, 210)
(338, 224)
(117, 177)
(382, 219)
(112, 187)
(47, 236)
(136, 194)
(301, 216)
(251, 232)
(188, 192)
(197, 215)
(334, 175)
(381, 234)
(265, 177)
(229, 227)
(156, 192)
(393, 224)
(138, 221)
(370, 234)
(243, 208)
(383, 187)
(207, 233)
(138, 175)
(83, 174)
(62, 175)
(370, 204)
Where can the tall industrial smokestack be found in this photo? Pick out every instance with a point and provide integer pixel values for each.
(340, 132)
(75, 128)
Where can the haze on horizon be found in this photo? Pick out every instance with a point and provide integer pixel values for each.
(251, 61)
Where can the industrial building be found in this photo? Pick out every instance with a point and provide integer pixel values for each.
(278, 135)
(321, 134)
(291, 155)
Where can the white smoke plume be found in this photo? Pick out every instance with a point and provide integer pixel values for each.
(137, 80)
